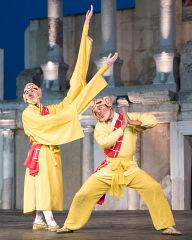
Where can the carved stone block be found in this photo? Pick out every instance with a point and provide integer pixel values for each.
(151, 97)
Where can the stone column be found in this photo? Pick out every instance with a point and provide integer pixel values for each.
(167, 44)
(1, 74)
(108, 42)
(8, 192)
(167, 26)
(108, 26)
(88, 157)
(55, 30)
(180, 164)
(55, 69)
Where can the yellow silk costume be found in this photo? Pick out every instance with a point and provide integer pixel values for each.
(61, 125)
(119, 173)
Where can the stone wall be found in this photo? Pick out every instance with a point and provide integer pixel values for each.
(137, 36)
(36, 43)
(137, 40)
(183, 28)
(155, 151)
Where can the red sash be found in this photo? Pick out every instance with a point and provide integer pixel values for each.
(111, 152)
(31, 161)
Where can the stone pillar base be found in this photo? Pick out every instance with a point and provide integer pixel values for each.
(113, 74)
(167, 79)
(60, 83)
(166, 69)
(163, 78)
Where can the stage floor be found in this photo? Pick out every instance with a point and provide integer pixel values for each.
(131, 225)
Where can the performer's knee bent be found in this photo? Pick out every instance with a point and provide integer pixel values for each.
(80, 196)
(155, 187)
(83, 195)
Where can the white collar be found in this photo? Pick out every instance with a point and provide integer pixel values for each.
(115, 117)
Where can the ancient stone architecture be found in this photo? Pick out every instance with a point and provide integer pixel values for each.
(152, 75)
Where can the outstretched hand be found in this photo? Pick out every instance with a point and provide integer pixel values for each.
(111, 59)
(89, 15)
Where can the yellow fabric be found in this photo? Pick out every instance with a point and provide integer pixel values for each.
(62, 125)
(123, 172)
(148, 120)
(106, 138)
(120, 167)
(45, 191)
(78, 79)
(99, 183)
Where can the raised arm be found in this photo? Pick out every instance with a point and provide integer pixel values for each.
(78, 79)
(110, 60)
(89, 15)
(95, 86)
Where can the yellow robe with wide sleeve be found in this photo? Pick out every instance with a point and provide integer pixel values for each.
(101, 181)
(123, 165)
(45, 191)
(106, 137)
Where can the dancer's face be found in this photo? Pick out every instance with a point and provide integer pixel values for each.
(32, 94)
(103, 113)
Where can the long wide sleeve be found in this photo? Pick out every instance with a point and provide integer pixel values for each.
(52, 129)
(64, 126)
(78, 79)
(147, 120)
(104, 135)
(90, 91)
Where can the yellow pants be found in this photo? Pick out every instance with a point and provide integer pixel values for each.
(99, 183)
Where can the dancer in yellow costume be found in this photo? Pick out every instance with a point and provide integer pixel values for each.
(48, 127)
(116, 134)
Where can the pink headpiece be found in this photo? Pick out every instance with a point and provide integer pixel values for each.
(101, 101)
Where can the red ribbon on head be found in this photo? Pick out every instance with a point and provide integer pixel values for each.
(111, 152)
(31, 161)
